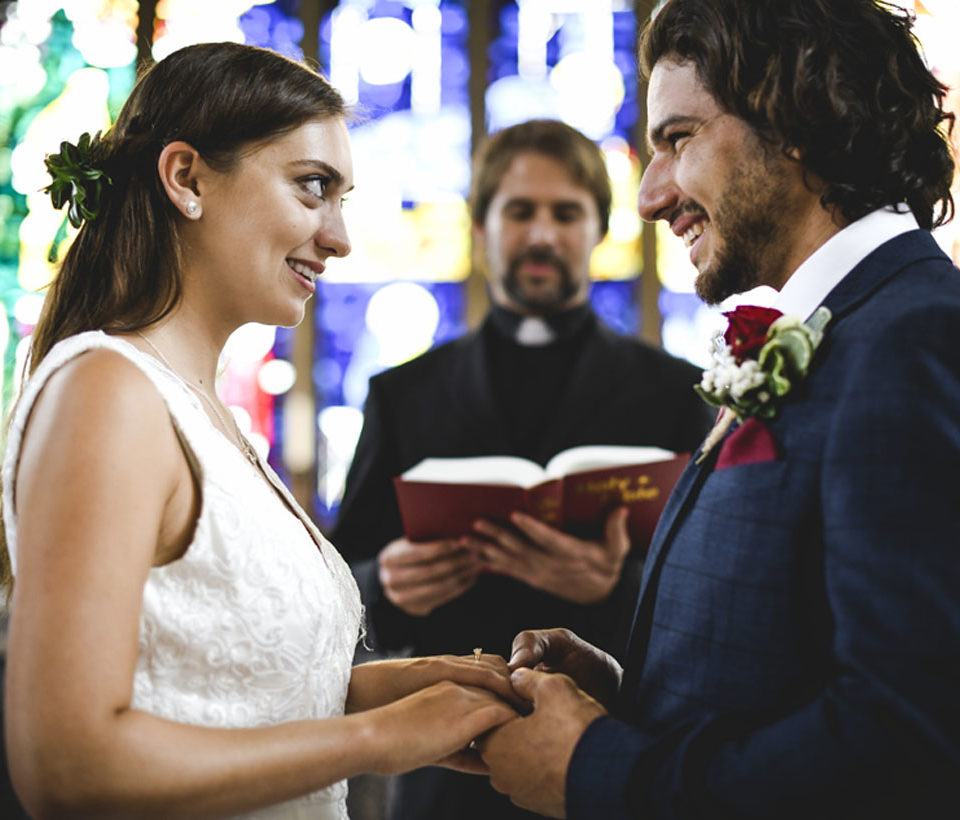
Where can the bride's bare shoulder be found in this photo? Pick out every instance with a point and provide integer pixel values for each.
(98, 393)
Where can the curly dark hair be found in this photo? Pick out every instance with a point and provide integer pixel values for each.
(841, 82)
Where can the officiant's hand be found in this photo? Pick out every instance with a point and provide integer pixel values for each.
(560, 650)
(584, 572)
(528, 757)
(417, 577)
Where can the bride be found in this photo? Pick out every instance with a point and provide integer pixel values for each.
(181, 635)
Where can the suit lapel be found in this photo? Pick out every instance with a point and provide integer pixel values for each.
(877, 268)
(683, 493)
(683, 496)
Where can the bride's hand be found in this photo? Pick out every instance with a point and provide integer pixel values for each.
(433, 725)
(381, 682)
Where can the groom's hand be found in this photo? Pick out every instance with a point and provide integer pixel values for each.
(560, 650)
(529, 756)
(584, 572)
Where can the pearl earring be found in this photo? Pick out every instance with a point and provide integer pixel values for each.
(193, 209)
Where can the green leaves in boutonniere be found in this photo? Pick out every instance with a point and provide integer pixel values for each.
(763, 356)
(77, 179)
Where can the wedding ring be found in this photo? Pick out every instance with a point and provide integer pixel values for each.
(477, 653)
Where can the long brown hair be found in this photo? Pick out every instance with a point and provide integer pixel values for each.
(123, 269)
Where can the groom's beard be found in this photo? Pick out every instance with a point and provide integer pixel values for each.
(750, 226)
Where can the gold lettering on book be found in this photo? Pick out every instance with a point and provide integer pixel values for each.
(628, 489)
(547, 509)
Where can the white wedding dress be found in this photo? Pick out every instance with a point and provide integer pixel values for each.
(256, 624)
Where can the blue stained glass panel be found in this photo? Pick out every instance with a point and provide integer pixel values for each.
(275, 26)
(348, 352)
(616, 305)
(343, 341)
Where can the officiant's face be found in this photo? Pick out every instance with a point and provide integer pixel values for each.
(537, 236)
(732, 198)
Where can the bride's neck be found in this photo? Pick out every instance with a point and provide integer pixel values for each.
(188, 345)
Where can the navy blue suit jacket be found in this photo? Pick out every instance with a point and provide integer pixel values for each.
(796, 645)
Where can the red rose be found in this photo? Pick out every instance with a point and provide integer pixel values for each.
(748, 328)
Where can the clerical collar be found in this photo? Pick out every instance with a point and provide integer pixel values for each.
(536, 331)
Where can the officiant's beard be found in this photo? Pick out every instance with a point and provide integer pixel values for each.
(540, 300)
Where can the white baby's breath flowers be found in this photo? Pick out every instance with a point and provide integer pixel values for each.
(727, 378)
(748, 376)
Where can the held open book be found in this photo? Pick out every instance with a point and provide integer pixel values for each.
(442, 497)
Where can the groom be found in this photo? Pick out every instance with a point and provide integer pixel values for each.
(796, 644)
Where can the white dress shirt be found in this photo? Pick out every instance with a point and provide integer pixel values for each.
(826, 267)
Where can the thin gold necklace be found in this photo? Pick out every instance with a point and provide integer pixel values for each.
(242, 444)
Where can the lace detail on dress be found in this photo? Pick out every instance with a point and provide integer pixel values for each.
(254, 625)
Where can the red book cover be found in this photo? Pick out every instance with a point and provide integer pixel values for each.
(643, 488)
(577, 502)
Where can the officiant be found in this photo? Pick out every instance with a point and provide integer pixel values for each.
(541, 374)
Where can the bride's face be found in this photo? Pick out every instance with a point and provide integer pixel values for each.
(269, 225)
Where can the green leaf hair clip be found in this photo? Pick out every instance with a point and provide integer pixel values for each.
(77, 179)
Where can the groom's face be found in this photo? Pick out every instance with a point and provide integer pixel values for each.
(729, 195)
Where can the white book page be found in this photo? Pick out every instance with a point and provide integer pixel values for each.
(596, 456)
(517, 472)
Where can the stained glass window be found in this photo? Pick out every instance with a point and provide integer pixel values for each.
(65, 68)
(404, 66)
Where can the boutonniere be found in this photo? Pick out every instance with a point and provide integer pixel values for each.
(763, 354)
